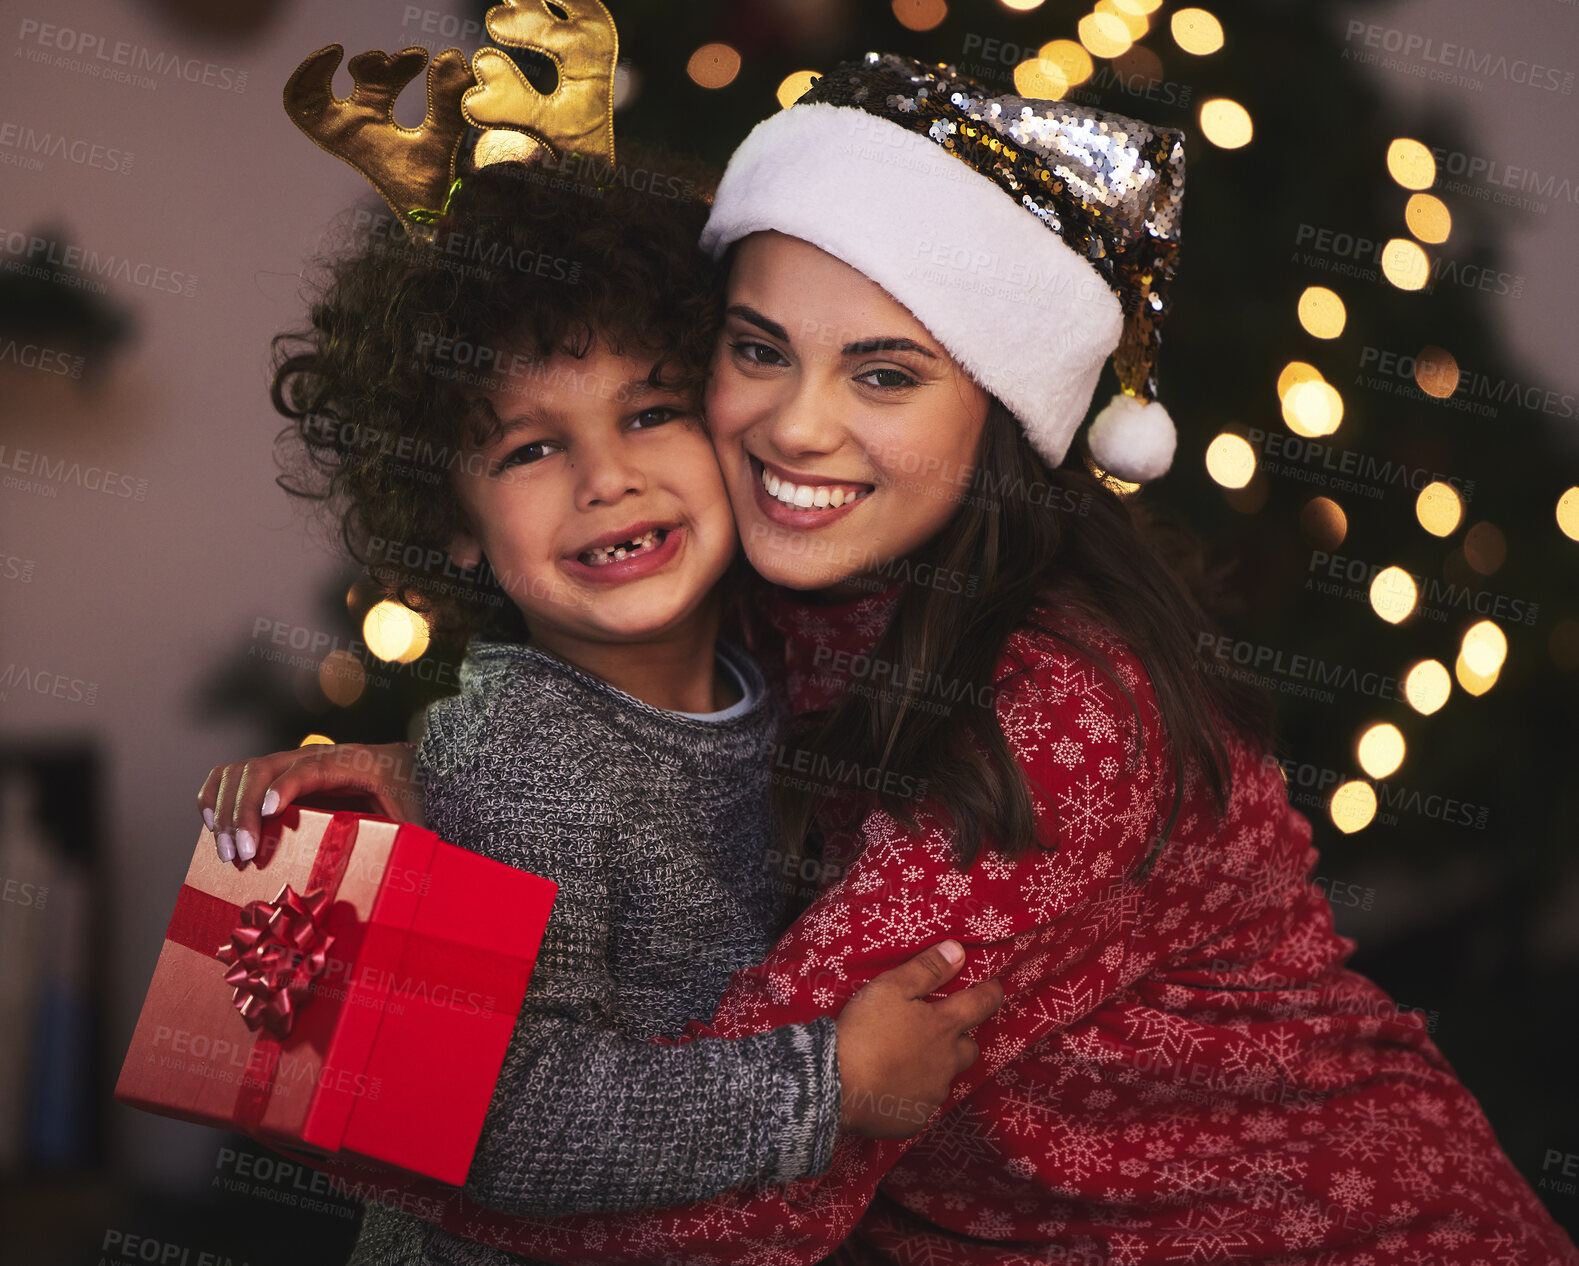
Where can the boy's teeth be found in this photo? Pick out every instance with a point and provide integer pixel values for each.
(601, 555)
(809, 496)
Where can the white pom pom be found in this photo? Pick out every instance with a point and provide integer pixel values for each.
(1133, 440)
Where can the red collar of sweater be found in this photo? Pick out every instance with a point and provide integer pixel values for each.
(808, 649)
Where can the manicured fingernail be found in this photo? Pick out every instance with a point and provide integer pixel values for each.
(246, 846)
(227, 850)
(953, 951)
(271, 802)
(208, 818)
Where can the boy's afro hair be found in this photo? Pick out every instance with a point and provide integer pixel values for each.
(381, 391)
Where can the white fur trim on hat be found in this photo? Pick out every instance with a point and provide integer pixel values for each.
(1029, 319)
(1133, 439)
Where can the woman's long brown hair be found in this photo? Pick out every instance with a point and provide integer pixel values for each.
(1050, 550)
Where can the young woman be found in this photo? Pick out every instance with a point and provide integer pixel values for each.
(995, 671)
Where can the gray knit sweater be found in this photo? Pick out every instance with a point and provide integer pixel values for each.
(655, 826)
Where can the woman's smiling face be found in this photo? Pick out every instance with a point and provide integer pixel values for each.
(845, 432)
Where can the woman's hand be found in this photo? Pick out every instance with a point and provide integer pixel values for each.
(236, 798)
(898, 1052)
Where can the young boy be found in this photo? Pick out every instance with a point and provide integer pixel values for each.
(603, 736)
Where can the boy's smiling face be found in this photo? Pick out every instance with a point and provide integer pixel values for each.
(600, 506)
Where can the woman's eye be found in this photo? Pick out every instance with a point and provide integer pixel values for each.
(656, 416)
(886, 378)
(758, 353)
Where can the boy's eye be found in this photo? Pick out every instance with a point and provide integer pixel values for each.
(758, 353)
(886, 378)
(526, 454)
(657, 416)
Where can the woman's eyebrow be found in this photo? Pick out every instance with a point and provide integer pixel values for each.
(767, 326)
(861, 348)
(866, 346)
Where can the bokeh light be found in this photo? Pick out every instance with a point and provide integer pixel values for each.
(1410, 164)
(342, 678)
(1484, 648)
(1323, 522)
(1485, 548)
(1381, 750)
(1439, 508)
(1230, 460)
(1321, 312)
(1021, 6)
(1428, 218)
(794, 86)
(1197, 31)
(1139, 66)
(1427, 686)
(1296, 371)
(1353, 806)
(1312, 408)
(394, 632)
(1071, 60)
(1568, 513)
(1405, 264)
(1135, 23)
(316, 738)
(1226, 123)
(1393, 594)
(1104, 34)
(920, 15)
(1473, 683)
(1040, 79)
(713, 66)
(1436, 372)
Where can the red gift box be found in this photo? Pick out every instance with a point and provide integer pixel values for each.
(352, 989)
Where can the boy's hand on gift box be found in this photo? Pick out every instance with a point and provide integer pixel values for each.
(235, 798)
(898, 1052)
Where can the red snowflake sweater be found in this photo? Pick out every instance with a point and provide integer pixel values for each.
(1182, 1070)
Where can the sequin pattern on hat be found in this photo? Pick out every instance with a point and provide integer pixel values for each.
(1110, 186)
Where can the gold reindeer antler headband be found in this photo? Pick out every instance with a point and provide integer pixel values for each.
(414, 169)
(411, 167)
(579, 114)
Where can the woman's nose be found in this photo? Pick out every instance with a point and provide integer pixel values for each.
(805, 422)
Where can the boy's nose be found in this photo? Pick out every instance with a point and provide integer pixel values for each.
(608, 475)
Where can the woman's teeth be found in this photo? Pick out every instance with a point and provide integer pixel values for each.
(811, 496)
(602, 556)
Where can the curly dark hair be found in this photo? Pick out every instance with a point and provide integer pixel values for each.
(382, 391)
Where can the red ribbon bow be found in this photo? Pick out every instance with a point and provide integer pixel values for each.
(274, 954)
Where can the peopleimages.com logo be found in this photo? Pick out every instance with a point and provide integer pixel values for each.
(120, 61)
(1430, 58)
(44, 258)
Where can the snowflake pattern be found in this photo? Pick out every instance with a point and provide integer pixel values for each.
(1085, 809)
(1147, 1094)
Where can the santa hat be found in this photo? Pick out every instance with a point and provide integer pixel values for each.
(1034, 239)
